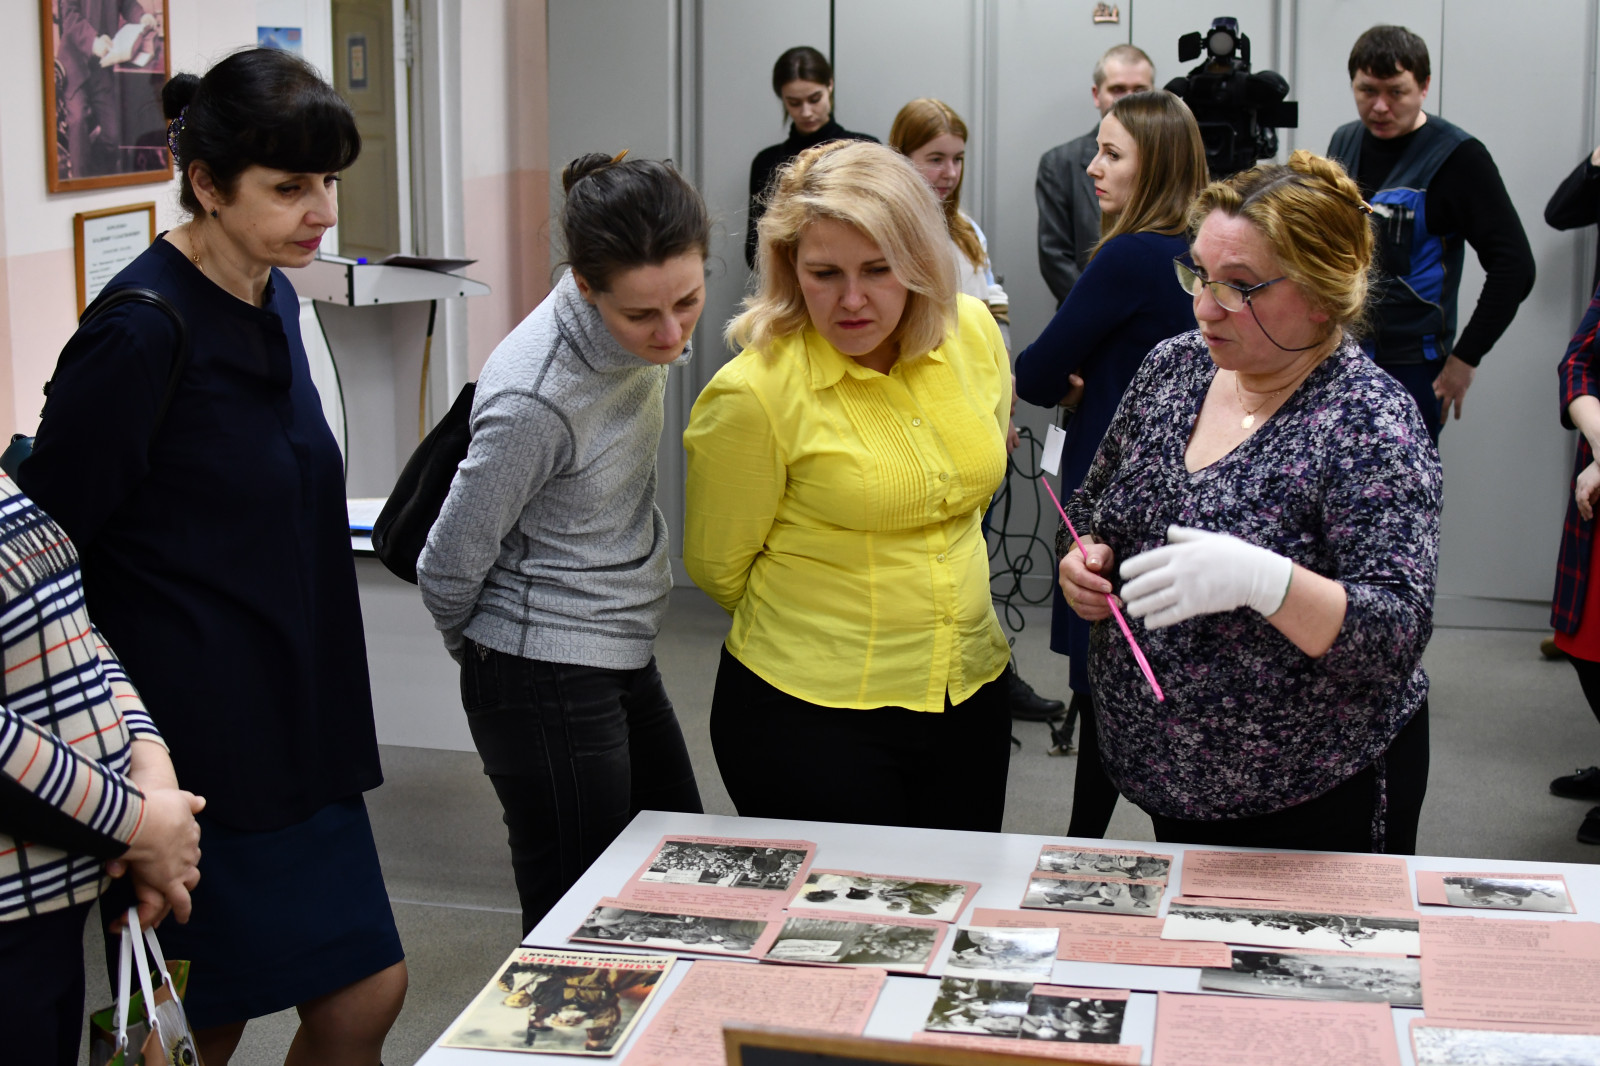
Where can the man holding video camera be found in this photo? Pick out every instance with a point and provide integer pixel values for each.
(1433, 189)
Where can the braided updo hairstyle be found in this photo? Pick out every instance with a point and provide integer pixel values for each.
(1314, 220)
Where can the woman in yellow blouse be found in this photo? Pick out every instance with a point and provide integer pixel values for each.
(838, 470)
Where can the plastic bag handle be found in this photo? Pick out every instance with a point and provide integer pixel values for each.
(143, 965)
(124, 977)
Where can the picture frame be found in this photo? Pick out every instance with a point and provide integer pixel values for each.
(107, 240)
(103, 123)
(761, 1046)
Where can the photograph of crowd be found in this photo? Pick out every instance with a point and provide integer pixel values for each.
(1300, 930)
(832, 890)
(976, 1005)
(1343, 978)
(675, 932)
(844, 942)
(1507, 893)
(1073, 1017)
(1009, 954)
(689, 862)
(1103, 865)
(1101, 897)
(565, 1003)
(1441, 1045)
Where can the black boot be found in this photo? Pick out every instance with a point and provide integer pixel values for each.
(1026, 704)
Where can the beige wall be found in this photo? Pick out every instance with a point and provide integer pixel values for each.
(505, 178)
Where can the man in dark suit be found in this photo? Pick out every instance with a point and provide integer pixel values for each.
(1069, 213)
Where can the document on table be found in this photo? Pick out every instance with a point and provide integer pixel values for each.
(885, 895)
(1274, 925)
(757, 876)
(1534, 973)
(1193, 1030)
(680, 926)
(1345, 884)
(1113, 938)
(687, 1030)
(904, 945)
(1507, 892)
(1447, 1043)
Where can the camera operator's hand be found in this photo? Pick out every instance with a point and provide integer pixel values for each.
(1451, 386)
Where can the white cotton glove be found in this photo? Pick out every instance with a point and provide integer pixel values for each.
(1197, 572)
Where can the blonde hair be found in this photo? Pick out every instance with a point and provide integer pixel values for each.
(876, 190)
(1314, 220)
(919, 122)
(1172, 165)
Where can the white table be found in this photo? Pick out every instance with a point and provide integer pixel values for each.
(1001, 862)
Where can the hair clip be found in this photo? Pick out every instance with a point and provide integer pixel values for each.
(175, 127)
(619, 157)
(1364, 207)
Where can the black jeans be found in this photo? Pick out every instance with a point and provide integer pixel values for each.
(574, 752)
(782, 757)
(1589, 678)
(1339, 819)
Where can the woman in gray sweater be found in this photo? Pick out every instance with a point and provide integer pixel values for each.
(547, 569)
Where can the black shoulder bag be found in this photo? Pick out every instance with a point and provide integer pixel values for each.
(21, 446)
(401, 531)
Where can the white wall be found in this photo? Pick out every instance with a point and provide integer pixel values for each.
(697, 72)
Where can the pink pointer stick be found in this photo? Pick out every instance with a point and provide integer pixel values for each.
(1144, 664)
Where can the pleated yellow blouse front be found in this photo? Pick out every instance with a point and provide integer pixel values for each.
(835, 512)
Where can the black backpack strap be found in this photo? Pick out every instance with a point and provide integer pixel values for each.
(138, 294)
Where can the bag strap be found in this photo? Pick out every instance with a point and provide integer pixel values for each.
(140, 295)
(155, 954)
(144, 967)
(124, 968)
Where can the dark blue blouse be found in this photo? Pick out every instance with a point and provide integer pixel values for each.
(216, 555)
(1127, 301)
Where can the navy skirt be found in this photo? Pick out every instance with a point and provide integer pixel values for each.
(282, 917)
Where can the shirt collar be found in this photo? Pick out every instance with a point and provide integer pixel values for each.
(828, 364)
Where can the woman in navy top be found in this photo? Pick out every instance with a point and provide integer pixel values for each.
(216, 558)
(1151, 162)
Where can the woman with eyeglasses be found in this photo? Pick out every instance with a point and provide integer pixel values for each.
(1266, 504)
(1150, 164)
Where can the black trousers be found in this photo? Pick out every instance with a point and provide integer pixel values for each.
(1338, 820)
(1093, 795)
(41, 986)
(1589, 679)
(782, 757)
(573, 752)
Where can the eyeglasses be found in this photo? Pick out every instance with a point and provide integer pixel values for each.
(1229, 297)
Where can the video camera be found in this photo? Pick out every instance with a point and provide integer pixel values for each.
(1239, 112)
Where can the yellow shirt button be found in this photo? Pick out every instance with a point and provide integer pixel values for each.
(916, 421)
(948, 620)
(941, 557)
(944, 477)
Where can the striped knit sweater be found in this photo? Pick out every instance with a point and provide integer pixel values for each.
(67, 717)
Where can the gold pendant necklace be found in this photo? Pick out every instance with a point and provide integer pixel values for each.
(1249, 419)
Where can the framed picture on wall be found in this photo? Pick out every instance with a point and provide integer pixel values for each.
(107, 240)
(104, 62)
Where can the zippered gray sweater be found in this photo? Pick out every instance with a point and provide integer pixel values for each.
(550, 545)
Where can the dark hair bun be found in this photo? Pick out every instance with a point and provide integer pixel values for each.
(582, 167)
(176, 94)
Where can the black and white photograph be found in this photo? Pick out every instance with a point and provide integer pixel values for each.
(1103, 865)
(1442, 1045)
(1308, 931)
(1003, 954)
(1508, 893)
(694, 862)
(859, 893)
(976, 1005)
(1340, 978)
(1069, 1016)
(847, 942)
(560, 1002)
(1096, 896)
(672, 932)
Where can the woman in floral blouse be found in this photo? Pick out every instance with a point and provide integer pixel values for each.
(1271, 500)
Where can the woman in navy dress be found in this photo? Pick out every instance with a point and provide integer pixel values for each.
(216, 558)
(1151, 162)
